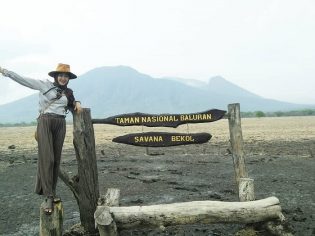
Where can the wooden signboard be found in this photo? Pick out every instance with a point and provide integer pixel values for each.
(162, 120)
(162, 139)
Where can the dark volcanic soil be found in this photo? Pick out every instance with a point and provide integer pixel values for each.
(178, 174)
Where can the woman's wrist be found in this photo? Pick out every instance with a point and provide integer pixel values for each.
(3, 71)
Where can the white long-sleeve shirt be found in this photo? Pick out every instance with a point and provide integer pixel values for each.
(47, 100)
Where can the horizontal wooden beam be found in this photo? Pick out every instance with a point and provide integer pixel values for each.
(196, 212)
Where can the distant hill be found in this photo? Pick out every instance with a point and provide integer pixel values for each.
(120, 89)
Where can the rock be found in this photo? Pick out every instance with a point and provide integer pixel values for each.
(11, 147)
(246, 232)
(150, 179)
(76, 230)
(215, 195)
(138, 201)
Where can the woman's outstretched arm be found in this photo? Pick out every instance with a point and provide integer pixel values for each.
(27, 82)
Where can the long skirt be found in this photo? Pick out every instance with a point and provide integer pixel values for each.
(51, 130)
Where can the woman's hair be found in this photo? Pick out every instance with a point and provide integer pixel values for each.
(56, 77)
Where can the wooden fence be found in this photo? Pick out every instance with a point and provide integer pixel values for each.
(110, 217)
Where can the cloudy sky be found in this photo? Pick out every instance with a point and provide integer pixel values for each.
(265, 46)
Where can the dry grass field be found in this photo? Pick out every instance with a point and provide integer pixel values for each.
(256, 133)
(280, 156)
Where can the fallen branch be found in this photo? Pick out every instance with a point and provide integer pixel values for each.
(197, 212)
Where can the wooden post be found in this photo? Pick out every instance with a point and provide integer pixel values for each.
(236, 139)
(84, 185)
(246, 190)
(51, 225)
(103, 219)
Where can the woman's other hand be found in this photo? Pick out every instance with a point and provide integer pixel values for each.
(77, 107)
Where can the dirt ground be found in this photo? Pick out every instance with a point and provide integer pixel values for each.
(280, 157)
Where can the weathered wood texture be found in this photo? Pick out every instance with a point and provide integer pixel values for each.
(236, 140)
(103, 219)
(161, 120)
(162, 139)
(197, 212)
(84, 185)
(246, 190)
(51, 225)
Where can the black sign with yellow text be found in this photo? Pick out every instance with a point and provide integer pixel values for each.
(162, 120)
(162, 139)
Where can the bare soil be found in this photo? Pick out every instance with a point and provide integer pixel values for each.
(280, 157)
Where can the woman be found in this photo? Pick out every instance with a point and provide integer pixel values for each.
(55, 99)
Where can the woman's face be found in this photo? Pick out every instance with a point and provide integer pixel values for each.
(63, 78)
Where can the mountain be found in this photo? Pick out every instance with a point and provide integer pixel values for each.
(191, 82)
(117, 90)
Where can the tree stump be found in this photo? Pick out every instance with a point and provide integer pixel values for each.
(103, 218)
(246, 190)
(84, 185)
(51, 225)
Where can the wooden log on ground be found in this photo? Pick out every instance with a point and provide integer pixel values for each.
(103, 219)
(84, 185)
(236, 140)
(197, 212)
(246, 190)
(51, 225)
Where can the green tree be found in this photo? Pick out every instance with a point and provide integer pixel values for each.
(259, 114)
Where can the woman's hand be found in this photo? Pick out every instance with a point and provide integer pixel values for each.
(77, 107)
(3, 71)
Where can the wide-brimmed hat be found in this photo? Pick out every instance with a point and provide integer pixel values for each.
(62, 68)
